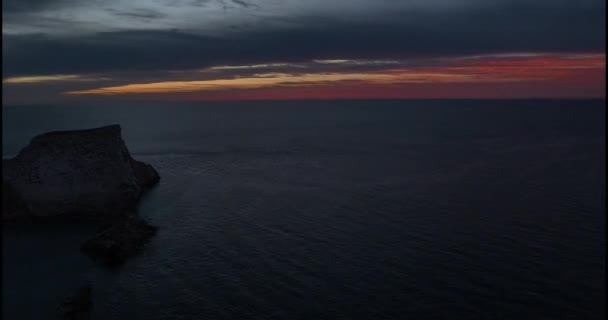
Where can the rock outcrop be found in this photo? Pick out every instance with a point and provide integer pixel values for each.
(114, 244)
(82, 174)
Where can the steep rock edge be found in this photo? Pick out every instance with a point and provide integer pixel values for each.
(80, 174)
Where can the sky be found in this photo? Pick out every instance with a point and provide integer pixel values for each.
(56, 51)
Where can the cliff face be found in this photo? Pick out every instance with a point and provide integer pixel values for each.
(86, 174)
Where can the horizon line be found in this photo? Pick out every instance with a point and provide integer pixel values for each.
(299, 99)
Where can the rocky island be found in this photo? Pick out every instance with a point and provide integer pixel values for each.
(84, 175)
(78, 175)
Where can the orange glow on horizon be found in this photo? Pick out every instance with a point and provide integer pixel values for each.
(515, 75)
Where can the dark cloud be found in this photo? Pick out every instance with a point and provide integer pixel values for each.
(138, 13)
(15, 6)
(502, 26)
(201, 3)
(246, 4)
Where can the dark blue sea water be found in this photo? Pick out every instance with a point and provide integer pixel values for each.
(338, 210)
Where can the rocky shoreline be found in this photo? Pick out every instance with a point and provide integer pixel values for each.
(81, 175)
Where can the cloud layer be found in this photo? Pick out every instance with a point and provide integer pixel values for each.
(167, 39)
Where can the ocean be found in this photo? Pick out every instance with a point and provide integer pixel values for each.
(387, 209)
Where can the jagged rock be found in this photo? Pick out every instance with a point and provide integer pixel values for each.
(114, 244)
(79, 306)
(84, 174)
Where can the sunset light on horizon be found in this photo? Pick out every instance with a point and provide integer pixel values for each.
(214, 50)
(500, 76)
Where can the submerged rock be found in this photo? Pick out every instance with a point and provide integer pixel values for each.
(114, 244)
(79, 306)
(84, 174)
